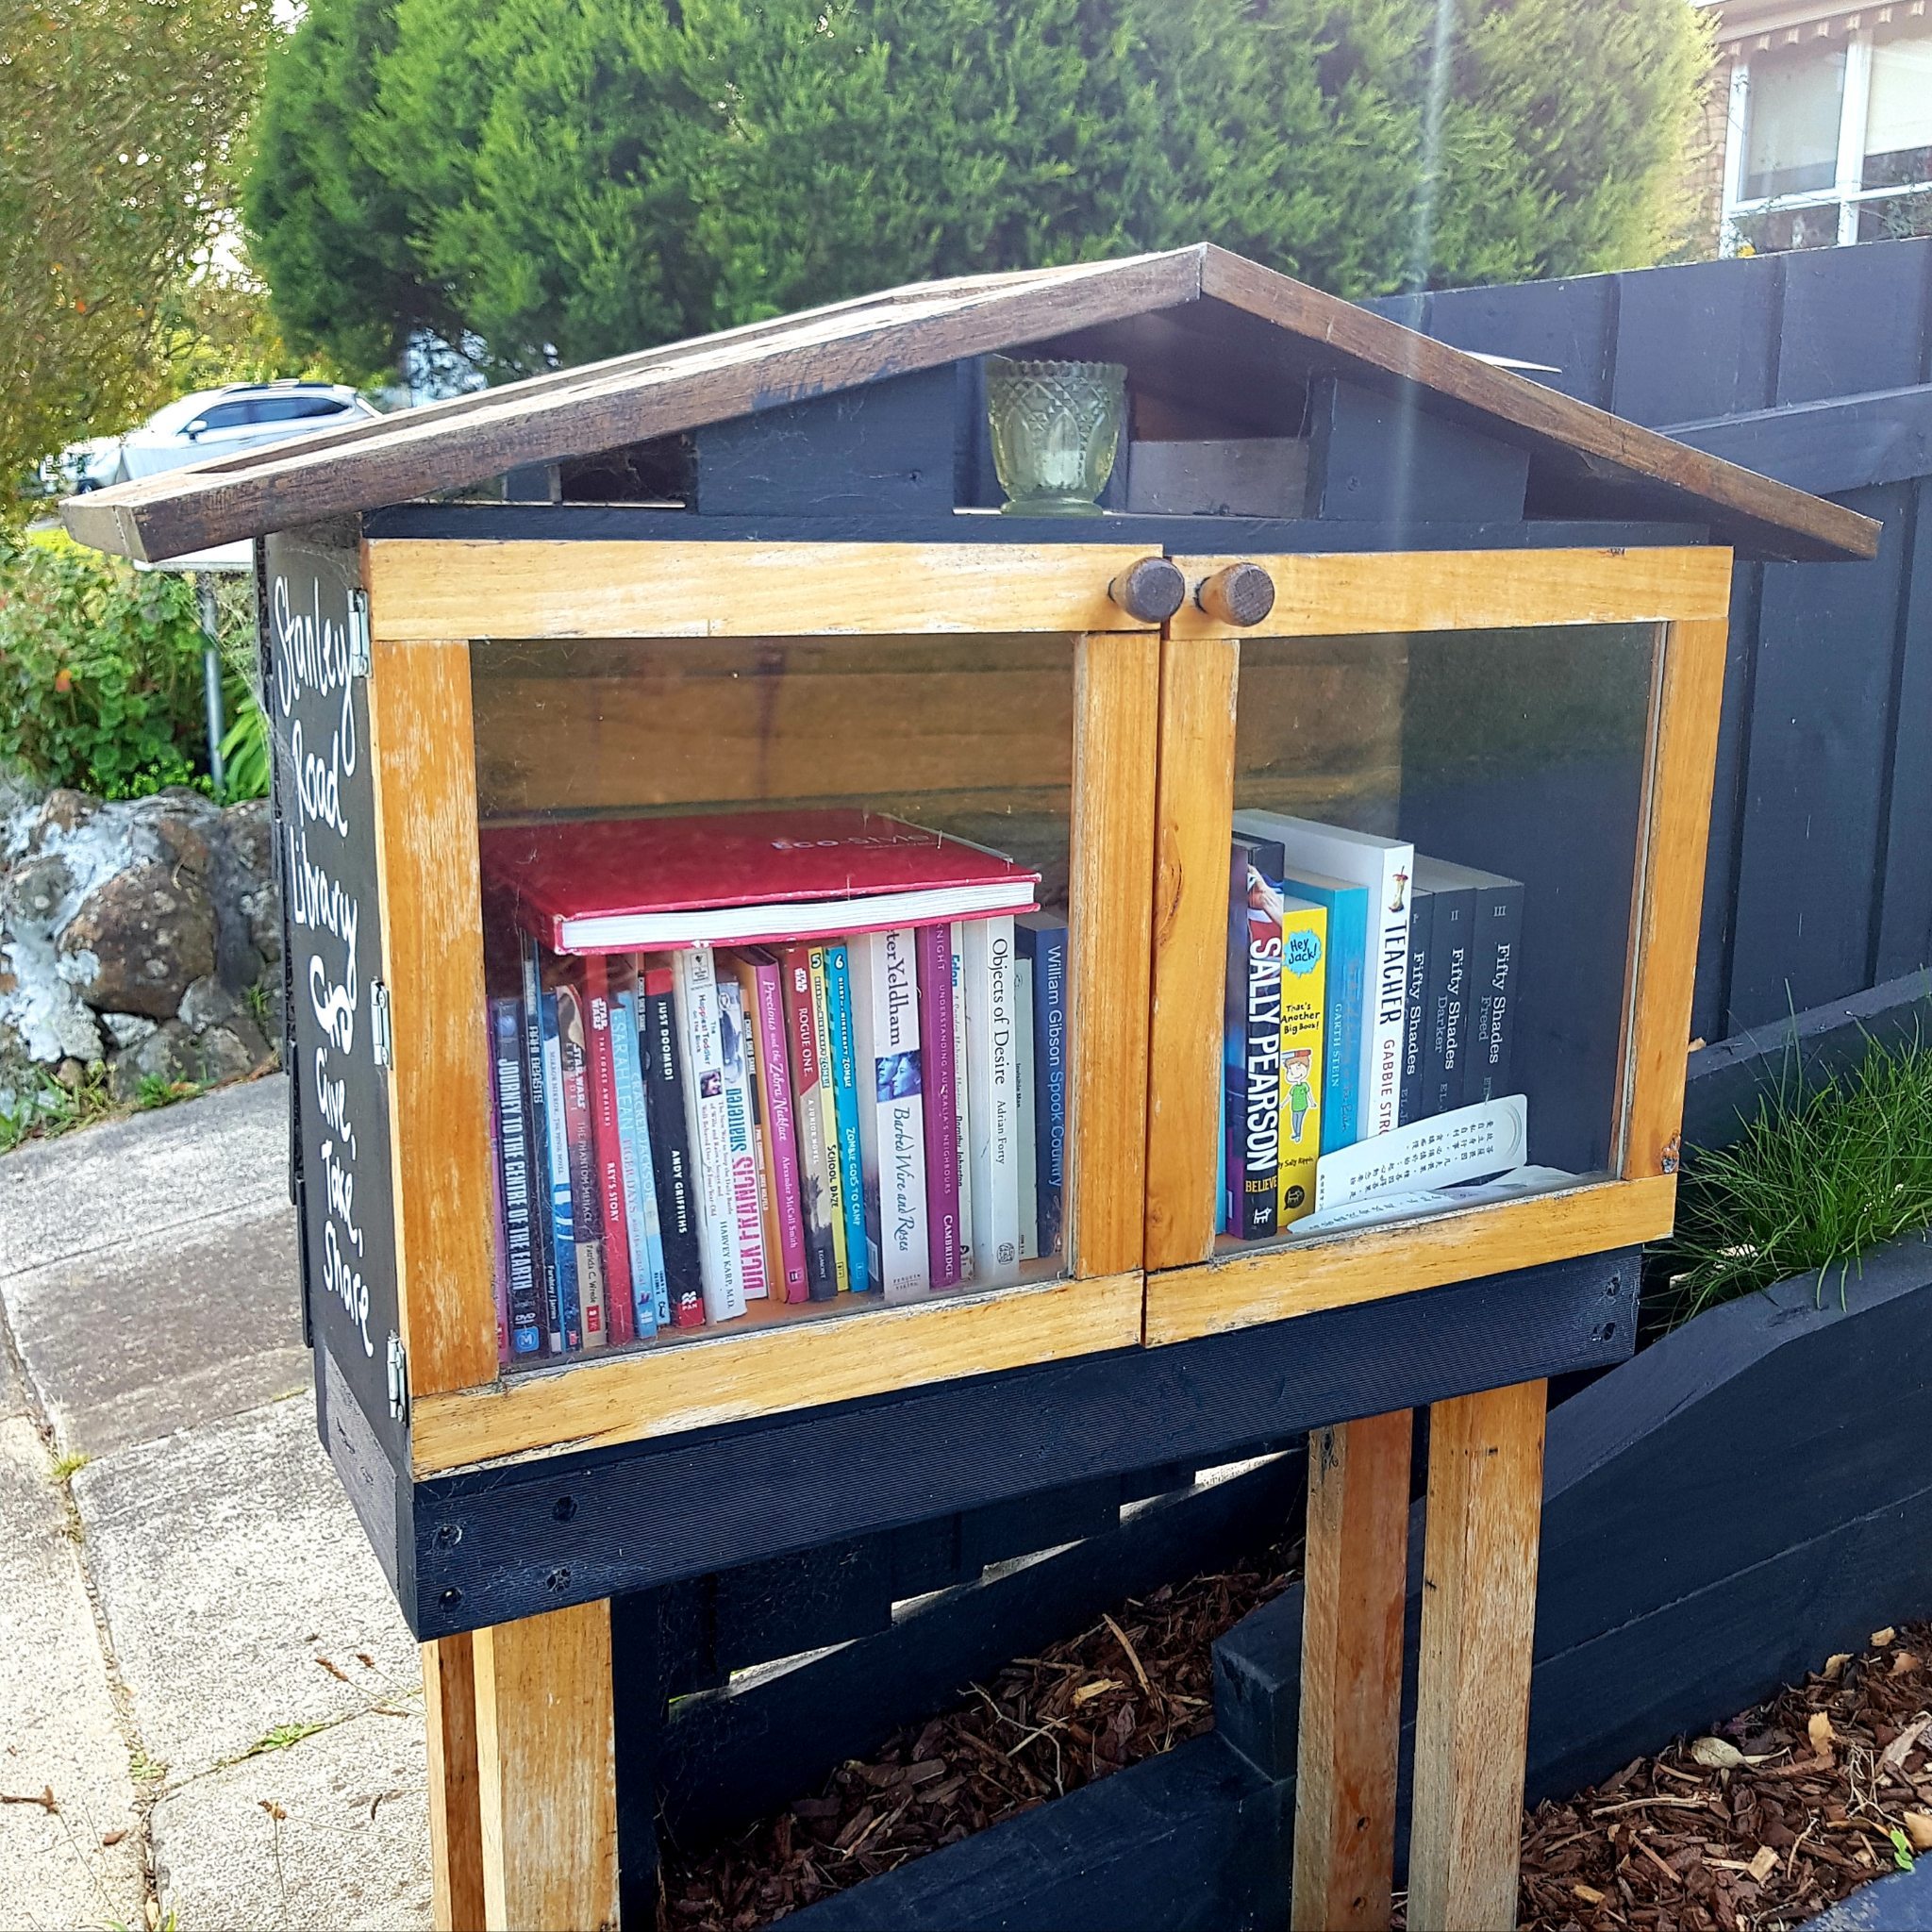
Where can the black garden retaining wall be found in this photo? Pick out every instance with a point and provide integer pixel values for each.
(1720, 1513)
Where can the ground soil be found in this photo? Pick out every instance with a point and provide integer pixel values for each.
(1138, 1682)
(1775, 1815)
(1827, 1786)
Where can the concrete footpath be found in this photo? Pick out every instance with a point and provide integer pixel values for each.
(209, 1705)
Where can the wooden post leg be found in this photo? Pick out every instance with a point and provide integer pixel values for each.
(1479, 1558)
(547, 1773)
(456, 1823)
(1351, 1715)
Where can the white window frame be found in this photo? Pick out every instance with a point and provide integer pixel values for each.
(1847, 192)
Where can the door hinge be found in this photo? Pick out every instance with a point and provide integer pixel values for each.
(398, 1378)
(382, 1035)
(360, 653)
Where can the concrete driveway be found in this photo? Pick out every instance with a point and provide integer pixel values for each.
(208, 1701)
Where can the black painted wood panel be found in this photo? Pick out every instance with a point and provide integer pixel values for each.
(1811, 366)
(325, 813)
(497, 1543)
(1815, 778)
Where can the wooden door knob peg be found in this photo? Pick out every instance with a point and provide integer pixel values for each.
(1243, 593)
(1150, 589)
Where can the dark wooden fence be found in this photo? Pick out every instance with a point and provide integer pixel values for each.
(1815, 368)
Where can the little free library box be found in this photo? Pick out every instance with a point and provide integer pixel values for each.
(828, 988)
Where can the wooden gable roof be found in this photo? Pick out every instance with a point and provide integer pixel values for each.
(1202, 329)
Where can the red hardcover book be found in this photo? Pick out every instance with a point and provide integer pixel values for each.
(607, 1146)
(740, 878)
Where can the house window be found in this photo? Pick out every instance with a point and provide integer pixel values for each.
(1829, 142)
(1898, 121)
(1790, 144)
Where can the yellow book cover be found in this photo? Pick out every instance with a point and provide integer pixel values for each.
(1304, 984)
(828, 1113)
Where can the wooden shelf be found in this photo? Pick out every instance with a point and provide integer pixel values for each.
(769, 1362)
(1273, 1283)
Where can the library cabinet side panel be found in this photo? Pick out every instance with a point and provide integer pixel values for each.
(795, 948)
(1422, 939)
(324, 814)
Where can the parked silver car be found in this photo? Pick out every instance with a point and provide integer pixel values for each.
(210, 422)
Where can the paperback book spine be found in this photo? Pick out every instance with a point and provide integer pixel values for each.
(1347, 907)
(990, 1112)
(741, 1130)
(962, 1138)
(939, 1083)
(1387, 993)
(1042, 939)
(802, 1049)
(694, 984)
(828, 1120)
(1496, 972)
(586, 1197)
(1259, 1113)
(1252, 1043)
(664, 1115)
(1415, 1022)
(535, 1113)
(566, 1324)
(650, 1292)
(1024, 1077)
(758, 978)
(1304, 1005)
(892, 1122)
(607, 1144)
(498, 1220)
(524, 1317)
(1453, 923)
(845, 1104)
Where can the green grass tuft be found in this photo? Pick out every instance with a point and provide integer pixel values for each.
(67, 1467)
(52, 1108)
(1816, 1179)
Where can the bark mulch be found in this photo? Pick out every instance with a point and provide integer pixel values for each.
(1779, 1813)
(1137, 1684)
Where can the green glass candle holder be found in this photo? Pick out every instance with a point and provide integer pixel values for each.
(1055, 430)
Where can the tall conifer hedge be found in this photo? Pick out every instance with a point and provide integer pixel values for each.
(546, 181)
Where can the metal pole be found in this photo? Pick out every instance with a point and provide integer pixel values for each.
(211, 673)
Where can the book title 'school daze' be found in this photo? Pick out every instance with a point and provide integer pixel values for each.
(685, 1134)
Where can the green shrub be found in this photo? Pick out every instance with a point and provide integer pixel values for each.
(1817, 1179)
(100, 671)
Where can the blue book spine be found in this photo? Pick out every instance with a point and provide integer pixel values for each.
(845, 1099)
(566, 1322)
(1348, 912)
(650, 1290)
(1045, 942)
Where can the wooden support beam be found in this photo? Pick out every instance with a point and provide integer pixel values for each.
(1351, 1708)
(1472, 1728)
(455, 1822)
(547, 1780)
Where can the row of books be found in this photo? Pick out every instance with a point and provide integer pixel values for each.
(680, 1134)
(1367, 988)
